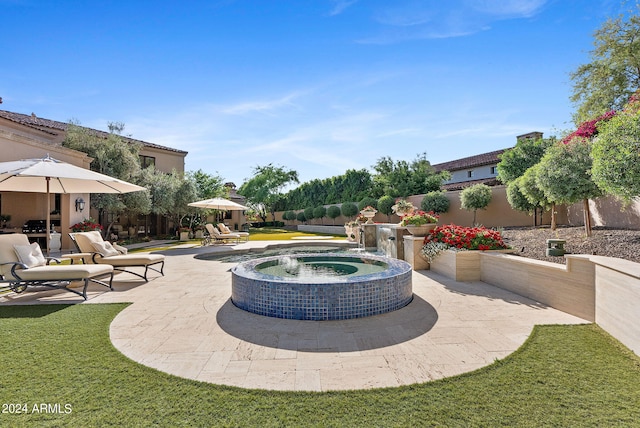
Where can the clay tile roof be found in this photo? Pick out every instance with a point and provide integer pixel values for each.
(48, 126)
(470, 162)
(492, 181)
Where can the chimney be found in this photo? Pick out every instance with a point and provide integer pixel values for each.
(535, 135)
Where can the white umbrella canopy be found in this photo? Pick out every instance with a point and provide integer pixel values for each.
(49, 175)
(218, 204)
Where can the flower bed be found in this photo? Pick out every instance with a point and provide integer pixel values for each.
(460, 238)
(454, 251)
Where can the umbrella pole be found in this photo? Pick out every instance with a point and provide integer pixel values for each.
(48, 216)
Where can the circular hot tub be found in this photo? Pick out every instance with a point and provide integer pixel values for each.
(321, 287)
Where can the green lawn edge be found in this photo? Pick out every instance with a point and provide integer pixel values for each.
(61, 355)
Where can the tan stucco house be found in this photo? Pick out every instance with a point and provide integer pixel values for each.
(25, 136)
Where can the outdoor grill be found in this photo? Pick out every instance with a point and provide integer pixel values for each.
(35, 226)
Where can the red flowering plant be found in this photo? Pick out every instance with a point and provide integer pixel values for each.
(86, 225)
(418, 218)
(459, 238)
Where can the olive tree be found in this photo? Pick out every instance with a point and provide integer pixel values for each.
(349, 209)
(616, 155)
(264, 189)
(333, 212)
(308, 213)
(564, 175)
(320, 212)
(385, 204)
(367, 202)
(613, 74)
(288, 215)
(435, 201)
(474, 198)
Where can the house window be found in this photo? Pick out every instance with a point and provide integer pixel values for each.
(470, 173)
(147, 161)
(494, 170)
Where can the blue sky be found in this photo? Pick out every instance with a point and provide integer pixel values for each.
(318, 86)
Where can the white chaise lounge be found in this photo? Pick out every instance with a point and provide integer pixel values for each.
(22, 265)
(102, 252)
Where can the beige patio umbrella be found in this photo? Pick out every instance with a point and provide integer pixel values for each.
(218, 204)
(49, 175)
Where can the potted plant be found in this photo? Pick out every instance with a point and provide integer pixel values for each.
(402, 207)
(184, 233)
(199, 231)
(369, 213)
(419, 223)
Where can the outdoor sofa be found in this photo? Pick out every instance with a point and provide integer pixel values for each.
(22, 265)
(99, 251)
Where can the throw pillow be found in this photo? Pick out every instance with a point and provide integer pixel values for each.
(30, 255)
(105, 249)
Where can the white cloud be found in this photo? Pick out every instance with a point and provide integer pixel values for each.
(414, 20)
(340, 6)
(262, 105)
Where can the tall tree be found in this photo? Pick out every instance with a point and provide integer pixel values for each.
(474, 198)
(402, 178)
(114, 156)
(265, 188)
(208, 186)
(616, 153)
(613, 74)
(564, 175)
(526, 153)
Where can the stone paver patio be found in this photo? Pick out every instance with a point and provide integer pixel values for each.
(185, 324)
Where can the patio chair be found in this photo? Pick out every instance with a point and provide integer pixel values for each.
(216, 236)
(225, 230)
(99, 251)
(22, 265)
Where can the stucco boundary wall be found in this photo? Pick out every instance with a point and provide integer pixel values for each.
(604, 290)
(606, 212)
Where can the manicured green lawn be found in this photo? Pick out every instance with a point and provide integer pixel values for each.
(61, 355)
(268, 234)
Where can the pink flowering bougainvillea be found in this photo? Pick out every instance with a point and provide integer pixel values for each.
(588, 129)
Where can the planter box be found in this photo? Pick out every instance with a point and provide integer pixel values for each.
(460, 266)
(184, 236)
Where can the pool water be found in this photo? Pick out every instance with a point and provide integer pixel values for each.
(319, 268)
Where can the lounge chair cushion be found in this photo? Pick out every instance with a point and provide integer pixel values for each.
(105, 248)
(223, 228)
(63, 272)
(136, 259)
(85, 241)
(30, 255)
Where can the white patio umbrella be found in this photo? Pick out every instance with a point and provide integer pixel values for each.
(218, 204)
(49, 175)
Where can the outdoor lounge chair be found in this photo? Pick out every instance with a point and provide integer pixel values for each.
(224, 230)
(22, 265)
(216, 236)
(99, 251)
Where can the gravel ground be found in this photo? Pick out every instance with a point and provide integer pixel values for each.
(619, 243)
